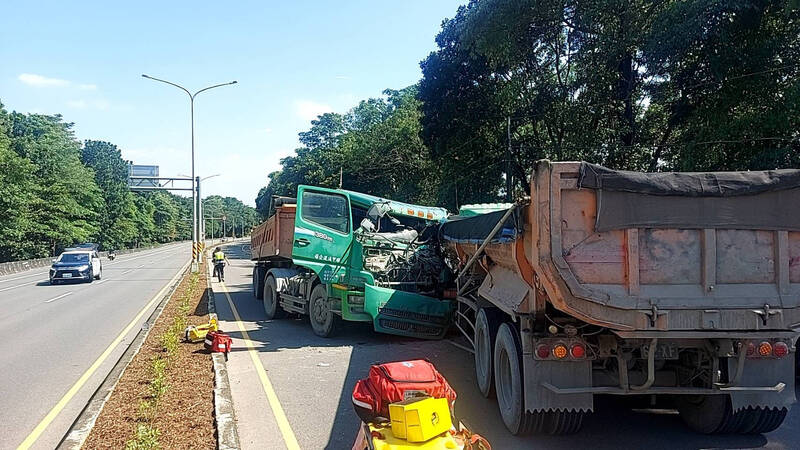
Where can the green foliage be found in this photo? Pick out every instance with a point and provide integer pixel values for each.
(374, 148)
(146, 438)
(56, 192)
(642, 85)
(239, 217)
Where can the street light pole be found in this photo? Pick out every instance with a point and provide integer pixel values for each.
(195, 206)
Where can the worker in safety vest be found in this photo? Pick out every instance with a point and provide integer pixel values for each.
(219, 259)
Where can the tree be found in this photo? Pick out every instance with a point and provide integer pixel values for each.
(18, 193)
(374, 148)
(642, 84)
(117, 217)
(66, 210)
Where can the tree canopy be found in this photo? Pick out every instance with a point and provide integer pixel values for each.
(57, 192)
(653, 85)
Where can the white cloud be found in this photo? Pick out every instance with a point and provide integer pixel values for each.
(87, 87)
(77, 104)
(31, 79)
(309, 110)
(342, 77)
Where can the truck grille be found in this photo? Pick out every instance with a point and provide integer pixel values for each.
(402, 314)
(423, 330)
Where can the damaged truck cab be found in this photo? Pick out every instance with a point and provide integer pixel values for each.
(337, 255)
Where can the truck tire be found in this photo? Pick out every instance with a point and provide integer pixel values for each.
(508, 382)
(709, 414)
(272, 307)
(323, 320)
(258, 283)
(509, 386)
(486, 324)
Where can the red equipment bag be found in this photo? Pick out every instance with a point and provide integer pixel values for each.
(396, 381)
(217, 341)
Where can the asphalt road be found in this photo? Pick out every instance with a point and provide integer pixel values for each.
(51, 335)
(313, 380)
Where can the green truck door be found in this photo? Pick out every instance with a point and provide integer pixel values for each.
(322, 232)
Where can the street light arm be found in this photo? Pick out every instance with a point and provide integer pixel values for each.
(169, 82)
(212, 87)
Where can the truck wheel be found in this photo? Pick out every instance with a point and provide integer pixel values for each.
(258, 286)
(486, 324)
(708, 414)
(271, 307)
(508, 382)
(323, 320)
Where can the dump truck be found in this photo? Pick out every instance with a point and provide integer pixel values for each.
(340, 256)
(682, 288)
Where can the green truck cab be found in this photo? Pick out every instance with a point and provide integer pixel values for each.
(342, 256)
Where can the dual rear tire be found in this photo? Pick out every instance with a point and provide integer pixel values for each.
(498, 368)
(713, 414)
(271, 300)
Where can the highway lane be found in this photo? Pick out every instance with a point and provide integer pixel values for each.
(53, 334)
(313, 380)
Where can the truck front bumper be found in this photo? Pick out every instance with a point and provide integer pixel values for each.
(407, 314)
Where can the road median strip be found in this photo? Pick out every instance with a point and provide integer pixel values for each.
(83, 424)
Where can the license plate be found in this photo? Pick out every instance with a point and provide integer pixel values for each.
(66, 275)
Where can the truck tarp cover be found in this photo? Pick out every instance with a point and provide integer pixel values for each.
(475, 229)
(761, 200)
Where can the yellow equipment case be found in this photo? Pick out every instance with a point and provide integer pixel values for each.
(418, 420)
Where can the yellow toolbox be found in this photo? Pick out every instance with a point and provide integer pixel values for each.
(418, 420)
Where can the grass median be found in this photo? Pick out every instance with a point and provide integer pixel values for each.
(164, 399)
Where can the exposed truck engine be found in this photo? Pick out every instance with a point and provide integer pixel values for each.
(338, 256)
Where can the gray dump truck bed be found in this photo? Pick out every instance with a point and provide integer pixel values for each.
(670, 253)
(683, 285)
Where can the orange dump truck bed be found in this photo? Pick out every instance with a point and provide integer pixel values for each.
(273, 238)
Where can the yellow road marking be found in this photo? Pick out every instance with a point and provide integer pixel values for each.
(277, 410)
(91, 370)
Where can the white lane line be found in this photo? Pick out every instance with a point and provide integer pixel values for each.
(26, 276)
(129, 259)
(135, 268)
(56, 298)
(20, 285)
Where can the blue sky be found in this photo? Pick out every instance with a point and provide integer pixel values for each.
(292, 61)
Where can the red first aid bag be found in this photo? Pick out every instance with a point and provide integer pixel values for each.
(217, 341)
(397, 381)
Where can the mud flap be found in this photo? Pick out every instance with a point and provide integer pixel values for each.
(561, 374)
(764, 373)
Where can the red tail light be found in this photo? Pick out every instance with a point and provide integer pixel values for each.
(577, 351)
(780, 349)
(543, 351)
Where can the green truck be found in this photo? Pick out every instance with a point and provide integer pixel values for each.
(342, 256)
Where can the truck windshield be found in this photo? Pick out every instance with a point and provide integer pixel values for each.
(74, 258)
(328, 210)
